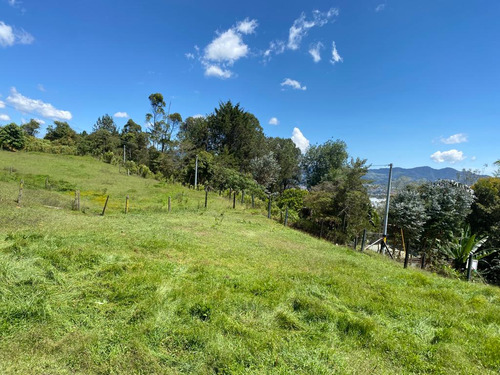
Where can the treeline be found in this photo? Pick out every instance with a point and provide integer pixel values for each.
(232, 153)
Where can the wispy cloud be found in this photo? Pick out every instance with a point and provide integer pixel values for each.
(28, 105)
(293, 84)
(276, 47)
(300, 141)
(380, 7)
(189, 56)
(4, 117)
(41, 88)
(450, 156)
(10, 35)
(455, 139)
(274, 121)
(301, 26)
(335, 55)
(2, 104)
(247, 26)
(121, 115)
(314, 51)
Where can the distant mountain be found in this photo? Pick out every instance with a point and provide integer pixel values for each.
(401, 176)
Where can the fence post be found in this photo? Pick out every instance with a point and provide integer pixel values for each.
(126, 205)
(206, 197)
(76, 203)
(234, 200)
(105, 205)
(286, 217)
(20, 195)
(469, 267)
(269, 208)
(355, 242)
(407, 253)
(422, 261)
(363, 240)
(169, 204)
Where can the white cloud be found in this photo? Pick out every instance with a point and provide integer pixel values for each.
(41, 88)
(300, 141)
(274, 121)
(380, 7)
(247, 26)
(121, 115)
(13, 3)
(217, 71)
(41, 122)
(315, 51)
(10, 36)
(473, 158)
(276, 47)
(301, 26)
(454, 139)
(4, 117)
(451, 156)
(198, 116)
(189, 56)
(293, 84)
(228, 47)
(335, 55)
(24, 104)
(2, 104)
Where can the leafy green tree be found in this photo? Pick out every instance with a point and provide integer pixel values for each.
(288, 157)
(61, 134)
(12, 137)
(407, 212)
(157, 120)
(135, 141)
(265, 170)
(194, 133)
(236, 132)
(31, 127)
(324, 162)
(106, 123)
(485, 219)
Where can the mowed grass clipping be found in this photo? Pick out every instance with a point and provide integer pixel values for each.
(216, 290)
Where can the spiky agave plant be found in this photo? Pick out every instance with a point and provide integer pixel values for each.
(459, 248)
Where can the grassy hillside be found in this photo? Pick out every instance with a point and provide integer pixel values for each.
(211, 290)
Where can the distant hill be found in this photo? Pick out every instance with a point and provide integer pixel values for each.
(400, 176)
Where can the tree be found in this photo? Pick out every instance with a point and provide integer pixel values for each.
(287, 156)
(485, 220)
(106, 123)
(265, 170)
(194, 133)
(61, 133)
(236, 132)
(324, 162)
(157, 120)
(31, 127)
(12, 137)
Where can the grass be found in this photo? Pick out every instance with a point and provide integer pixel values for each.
(211, 290)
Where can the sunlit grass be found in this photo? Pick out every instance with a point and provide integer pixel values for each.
(211, 290)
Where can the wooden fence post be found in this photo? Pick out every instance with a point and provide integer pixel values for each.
(363, 240)
(105, 205)
(469, 267)
(169, 204)
(126, 205)
(407, 254)
(269, 208)
(422, 261)
(286, 217)
(234, 199)
(206, 197)
(355, 242)
(76, 203)
(20, 195)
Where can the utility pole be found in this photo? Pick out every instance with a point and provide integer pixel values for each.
(384, 239)
(196, 174)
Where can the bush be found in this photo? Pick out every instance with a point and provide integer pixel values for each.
(12, 137)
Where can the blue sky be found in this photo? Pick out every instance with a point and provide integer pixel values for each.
(407, 82)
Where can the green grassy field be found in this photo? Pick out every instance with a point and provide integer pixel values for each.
(215, 290)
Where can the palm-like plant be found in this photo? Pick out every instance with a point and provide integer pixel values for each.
(459, 248)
